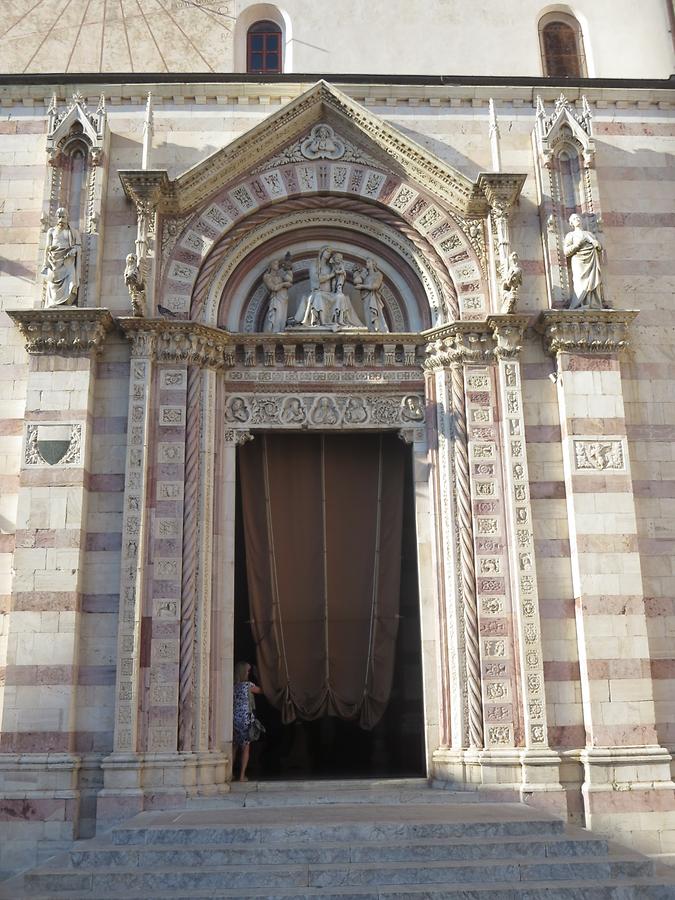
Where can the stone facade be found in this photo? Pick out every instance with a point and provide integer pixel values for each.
(541, 437)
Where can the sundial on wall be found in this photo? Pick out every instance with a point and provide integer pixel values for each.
(117, 36)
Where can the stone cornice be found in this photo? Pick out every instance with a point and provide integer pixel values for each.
(197, 344)
(36, 91)
(65, 330)
(599, 331)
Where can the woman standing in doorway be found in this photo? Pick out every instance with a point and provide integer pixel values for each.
(244, 716)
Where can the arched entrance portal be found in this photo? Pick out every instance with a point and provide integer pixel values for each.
(324, 591)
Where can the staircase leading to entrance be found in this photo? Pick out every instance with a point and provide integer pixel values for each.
(353, 840)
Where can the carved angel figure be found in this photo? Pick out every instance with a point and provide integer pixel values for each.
(61, 268)
(513, 278)
(277, 279)
(583, 250)
(369, 281)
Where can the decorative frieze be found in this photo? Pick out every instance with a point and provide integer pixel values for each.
(65, 331)
(584, 331)
(325, 411)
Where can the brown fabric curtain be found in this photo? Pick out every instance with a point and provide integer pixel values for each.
(322, 527)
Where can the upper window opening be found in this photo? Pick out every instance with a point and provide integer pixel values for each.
(562, 48)
(263, 49)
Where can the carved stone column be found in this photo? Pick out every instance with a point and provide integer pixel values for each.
(501, 190)
(162, 621)
(42, 734)
(453, 710)
(626, 774)
(540, 775)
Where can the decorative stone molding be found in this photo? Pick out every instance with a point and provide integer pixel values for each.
(325, 411)
(66, 331)
(585, 331)
(322, 102)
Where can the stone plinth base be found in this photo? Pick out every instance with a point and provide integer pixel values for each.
(529, 776)
(628, 794)
(46, 802)
(134, 782)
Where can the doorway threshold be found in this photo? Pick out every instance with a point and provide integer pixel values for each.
(352, 792)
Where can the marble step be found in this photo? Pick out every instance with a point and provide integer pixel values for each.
(356, 823)
(330, 876)
(626, 889)
(99, 855)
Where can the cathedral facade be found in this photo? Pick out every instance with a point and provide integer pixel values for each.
(367, 378)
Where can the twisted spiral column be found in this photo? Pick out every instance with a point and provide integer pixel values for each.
(467, 567)
(189, 570)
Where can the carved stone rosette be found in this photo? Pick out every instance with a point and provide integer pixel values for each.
(66, 331)
(586, 331)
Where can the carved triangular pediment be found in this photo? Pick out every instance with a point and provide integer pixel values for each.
(279, 139)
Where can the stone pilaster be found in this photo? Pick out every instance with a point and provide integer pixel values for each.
(40, 746)
(540, 765)
(627, 786)
(159, 602)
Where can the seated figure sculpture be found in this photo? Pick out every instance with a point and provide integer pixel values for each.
(327, 305)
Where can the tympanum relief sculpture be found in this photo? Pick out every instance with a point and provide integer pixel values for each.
(583, 251)
(277, 279)
(328, 306)
(61, 270)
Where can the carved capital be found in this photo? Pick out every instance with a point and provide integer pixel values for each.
(598, 331)
(63, 330)
(501, 190)
(462, 343)
(184, 342)
(508, 331)
(146, 187)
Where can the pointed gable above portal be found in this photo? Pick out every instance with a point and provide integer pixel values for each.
(294, 133)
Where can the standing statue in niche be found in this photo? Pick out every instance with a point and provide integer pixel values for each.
(369, 281)
(583, 250)
(61, 269)
(513, 278)
(278, 279)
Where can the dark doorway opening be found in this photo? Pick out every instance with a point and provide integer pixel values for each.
(332, 747)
